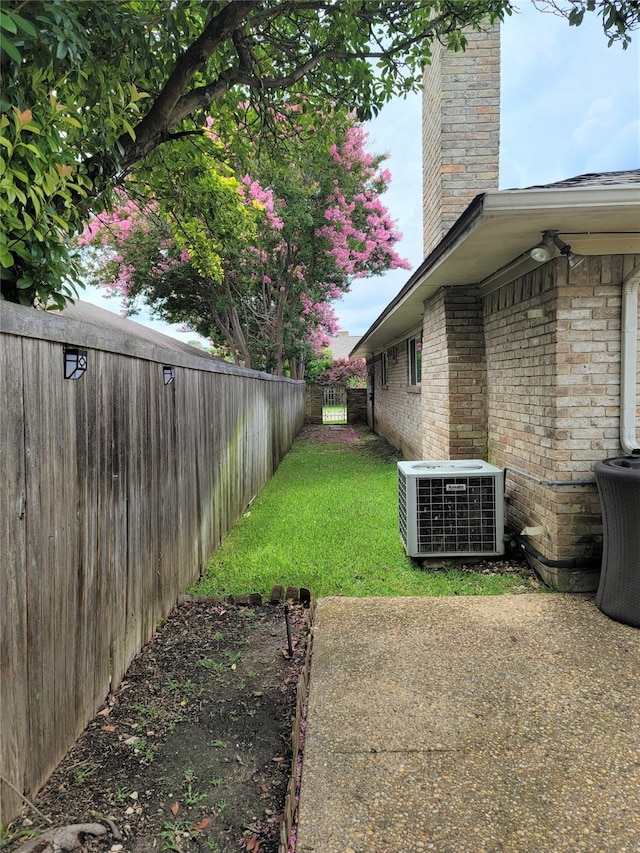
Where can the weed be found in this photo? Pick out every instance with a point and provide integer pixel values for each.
(222, 805)
(121, 794)
(7, 836)
(145, 749)
(81, 775)
(192, 797)
(233, 656)
(174, 834)
(218, 636)
(209, 663)
(216, 782)
(219, 744)
(147, 712)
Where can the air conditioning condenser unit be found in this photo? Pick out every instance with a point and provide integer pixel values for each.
(451, 508)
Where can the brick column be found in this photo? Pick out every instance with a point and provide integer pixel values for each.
(313, 399)
(454, 376)
(357, 405)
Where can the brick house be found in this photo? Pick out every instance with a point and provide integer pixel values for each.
(515, 341)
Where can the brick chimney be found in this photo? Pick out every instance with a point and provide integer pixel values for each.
(460, 130)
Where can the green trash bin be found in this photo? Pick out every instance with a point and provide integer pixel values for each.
(618, 593)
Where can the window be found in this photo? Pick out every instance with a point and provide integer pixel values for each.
(384, 369)
(414, 359)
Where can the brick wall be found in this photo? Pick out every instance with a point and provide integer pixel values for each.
(454, 376)
(460, 130)
(553, 378)
(356, 405)
(397, 409)
(435, 379)
(313, 400)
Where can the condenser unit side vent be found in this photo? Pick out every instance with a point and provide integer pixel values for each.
(451, 508)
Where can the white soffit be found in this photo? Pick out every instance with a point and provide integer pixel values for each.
(593, 220)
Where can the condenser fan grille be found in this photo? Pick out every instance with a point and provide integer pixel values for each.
(456, 514)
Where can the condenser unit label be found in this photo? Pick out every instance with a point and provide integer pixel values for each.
(456, 487)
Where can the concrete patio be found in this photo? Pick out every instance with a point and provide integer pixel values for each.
(507, 723)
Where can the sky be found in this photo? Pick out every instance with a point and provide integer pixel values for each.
(569, 105)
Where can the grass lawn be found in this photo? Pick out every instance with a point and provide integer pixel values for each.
(334, 414)
(327, 521)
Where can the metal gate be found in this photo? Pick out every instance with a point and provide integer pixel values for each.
(334, 406)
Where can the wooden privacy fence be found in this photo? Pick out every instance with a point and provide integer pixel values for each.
(116, 488)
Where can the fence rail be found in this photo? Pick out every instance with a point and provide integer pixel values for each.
(116, 488)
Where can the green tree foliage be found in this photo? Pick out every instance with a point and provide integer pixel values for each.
(619, 17)
(244, 249)
(90, 89)
(345, 372)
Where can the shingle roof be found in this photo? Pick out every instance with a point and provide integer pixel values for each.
(90, 313)
(341, 345)
(595, 179)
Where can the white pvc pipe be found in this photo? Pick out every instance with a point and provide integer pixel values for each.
(628, 366)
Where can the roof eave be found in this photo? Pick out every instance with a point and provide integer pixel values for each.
(521, 215)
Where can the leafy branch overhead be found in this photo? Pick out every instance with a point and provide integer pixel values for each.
(91, 89)
(243, 248)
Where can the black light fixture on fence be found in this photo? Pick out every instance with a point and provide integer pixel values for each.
(168, 373)
(75, 362)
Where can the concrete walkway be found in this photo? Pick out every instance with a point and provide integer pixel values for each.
(507, 723)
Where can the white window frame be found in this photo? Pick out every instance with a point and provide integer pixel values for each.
(414, 361)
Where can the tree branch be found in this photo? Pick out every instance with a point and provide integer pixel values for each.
(154, 127)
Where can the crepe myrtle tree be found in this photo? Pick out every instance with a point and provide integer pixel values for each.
(91, 89)
(345, 372)
(247, 248)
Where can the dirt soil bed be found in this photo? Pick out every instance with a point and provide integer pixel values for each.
(193, 750)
